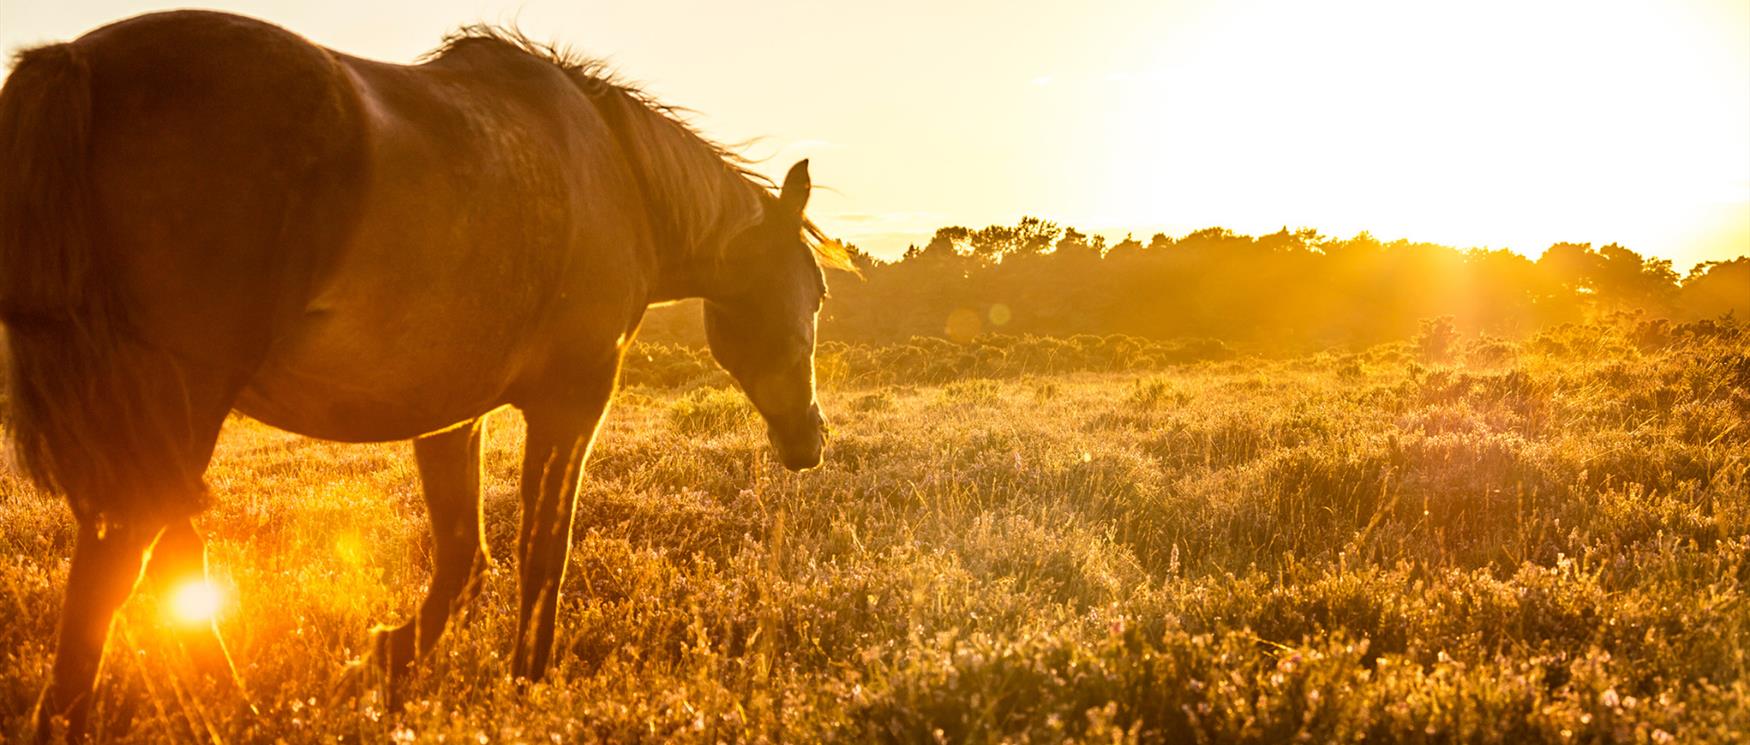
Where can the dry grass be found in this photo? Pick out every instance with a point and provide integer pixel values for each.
(1539, 542)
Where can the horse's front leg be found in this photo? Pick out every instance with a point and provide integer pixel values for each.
(560, 433)
(449, 472)
(107, 563)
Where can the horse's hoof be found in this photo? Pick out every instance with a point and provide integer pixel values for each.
(58, 727)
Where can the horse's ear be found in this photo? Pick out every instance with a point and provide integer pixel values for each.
(794, 195)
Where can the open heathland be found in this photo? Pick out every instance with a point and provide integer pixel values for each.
(1028, 540)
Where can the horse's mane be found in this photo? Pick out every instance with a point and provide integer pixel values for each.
(710, 192)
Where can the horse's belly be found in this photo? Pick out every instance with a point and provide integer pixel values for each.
(336, 381)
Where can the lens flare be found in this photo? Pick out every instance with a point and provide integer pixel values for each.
(196, 601)
(963, 325)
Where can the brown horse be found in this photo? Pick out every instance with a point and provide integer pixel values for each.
(202, 213)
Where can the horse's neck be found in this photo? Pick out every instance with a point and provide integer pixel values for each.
(695, 200)
(693, 261)
(686, 269)
(677, 275)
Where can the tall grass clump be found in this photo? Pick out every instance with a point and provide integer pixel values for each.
(707, 411)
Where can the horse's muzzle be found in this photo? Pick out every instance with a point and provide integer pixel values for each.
(799, 443)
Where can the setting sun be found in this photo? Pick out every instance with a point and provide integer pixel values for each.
(1500, 124)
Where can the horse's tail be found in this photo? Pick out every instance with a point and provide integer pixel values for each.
(76, 418)
(45, 191)
(51, 298)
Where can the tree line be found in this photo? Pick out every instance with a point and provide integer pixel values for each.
(1293, 290)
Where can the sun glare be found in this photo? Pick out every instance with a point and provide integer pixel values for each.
(195, 602)
(1479, 124)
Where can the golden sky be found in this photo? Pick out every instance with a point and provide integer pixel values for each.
(1479, 123)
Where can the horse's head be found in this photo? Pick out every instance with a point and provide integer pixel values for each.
(762, 331)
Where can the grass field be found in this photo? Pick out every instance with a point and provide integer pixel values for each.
(1460, 541)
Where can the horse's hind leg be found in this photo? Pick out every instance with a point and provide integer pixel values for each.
(449, 471)
(155, 475)
(106, 565)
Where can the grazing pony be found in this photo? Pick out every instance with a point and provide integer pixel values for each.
(202, 213)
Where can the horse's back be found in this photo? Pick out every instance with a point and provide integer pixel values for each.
(226, 160)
